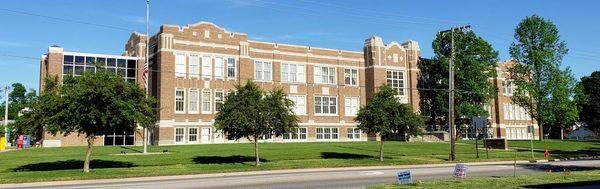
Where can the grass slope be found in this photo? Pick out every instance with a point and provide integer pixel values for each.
(542, 180)
(47, 164)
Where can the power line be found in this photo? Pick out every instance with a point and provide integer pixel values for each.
(66, 20)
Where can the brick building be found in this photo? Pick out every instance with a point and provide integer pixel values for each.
(193, 67)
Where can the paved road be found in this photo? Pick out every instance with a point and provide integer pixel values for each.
(326, 178)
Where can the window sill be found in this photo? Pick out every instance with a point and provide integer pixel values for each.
(327, 140)
(326, 115)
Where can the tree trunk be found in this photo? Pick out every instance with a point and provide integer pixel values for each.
(88, 154)
(256, 151)
(381, 149)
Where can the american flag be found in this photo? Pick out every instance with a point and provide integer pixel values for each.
(145, 75)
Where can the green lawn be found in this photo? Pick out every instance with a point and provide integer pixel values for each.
(45, 164)
(542, 180)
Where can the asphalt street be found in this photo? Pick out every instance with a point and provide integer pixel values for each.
(326, 178)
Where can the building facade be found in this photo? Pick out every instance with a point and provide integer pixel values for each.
(193, 67)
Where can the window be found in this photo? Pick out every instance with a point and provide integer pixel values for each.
(193, 101)
(325, 105)
(506, 111)
(262, 71)
(179, 135)
(299, 104)
(206, 101)
(325, 75)
(219, 67)
(193, 135)
(351, 77)
(508, 88)
(395, 80)
(180, 65)
(218, 100)
(327, 133)
(206, 66)
(206, 33)
(292, 73)
(299, 134)
(231, 67)
(194, 66)
(179, 101)
(353, 133)
(351, 106)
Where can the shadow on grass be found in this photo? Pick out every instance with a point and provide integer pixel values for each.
(590, 184)
(568, 153)
(337, 155)
(558, 168)
(226, 159)
(72, 164)
(132, 149)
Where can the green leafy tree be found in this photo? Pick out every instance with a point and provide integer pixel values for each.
(563, 111)
(474, 64)
(588, 101)
(92, 104)
(32, 121)
(539, 51)
(249, 113)
(385, 116)
(18, 98)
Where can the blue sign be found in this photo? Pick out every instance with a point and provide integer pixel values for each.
(460, 171)
(404, 177)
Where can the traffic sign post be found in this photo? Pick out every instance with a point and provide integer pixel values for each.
(478, 123)
(530, 131)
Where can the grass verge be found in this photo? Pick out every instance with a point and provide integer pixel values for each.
(52, 164)
(541, 180)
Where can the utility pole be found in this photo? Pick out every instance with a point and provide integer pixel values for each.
(6, 113)
(451, 125)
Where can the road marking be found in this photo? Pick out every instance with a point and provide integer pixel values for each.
(371, 173)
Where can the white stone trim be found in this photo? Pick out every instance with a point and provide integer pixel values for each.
(203, 44)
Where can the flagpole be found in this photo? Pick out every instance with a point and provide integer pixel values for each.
(146, 68)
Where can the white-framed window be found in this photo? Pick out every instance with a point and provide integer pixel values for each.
(508, 88)
(180, 65)
(218, 100)
(219, 67)
(351, 77)
(395, 80)
(263, 71)
(293, 73)
(206, 66)
(206, 107)
(299, 104)
(193, 101)
(351, 105)
(327, 133)
(194, 66)
(353, 133)
(193, 134)
(299, 134)
(231, 67)
(206, 33)
(506, 111)
(179, 135)
(325, 75)
(325, 105)
(179, 100)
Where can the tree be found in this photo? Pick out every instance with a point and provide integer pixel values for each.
(18, 98)
(385, 116)
(563, 111)
(32, 122)
(474, 64)
(538, 50)
(588, 101)
(249, 113)
(92, 104)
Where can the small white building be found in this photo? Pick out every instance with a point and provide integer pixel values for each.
(582, 133)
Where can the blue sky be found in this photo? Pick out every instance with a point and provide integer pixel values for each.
(341, 24)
